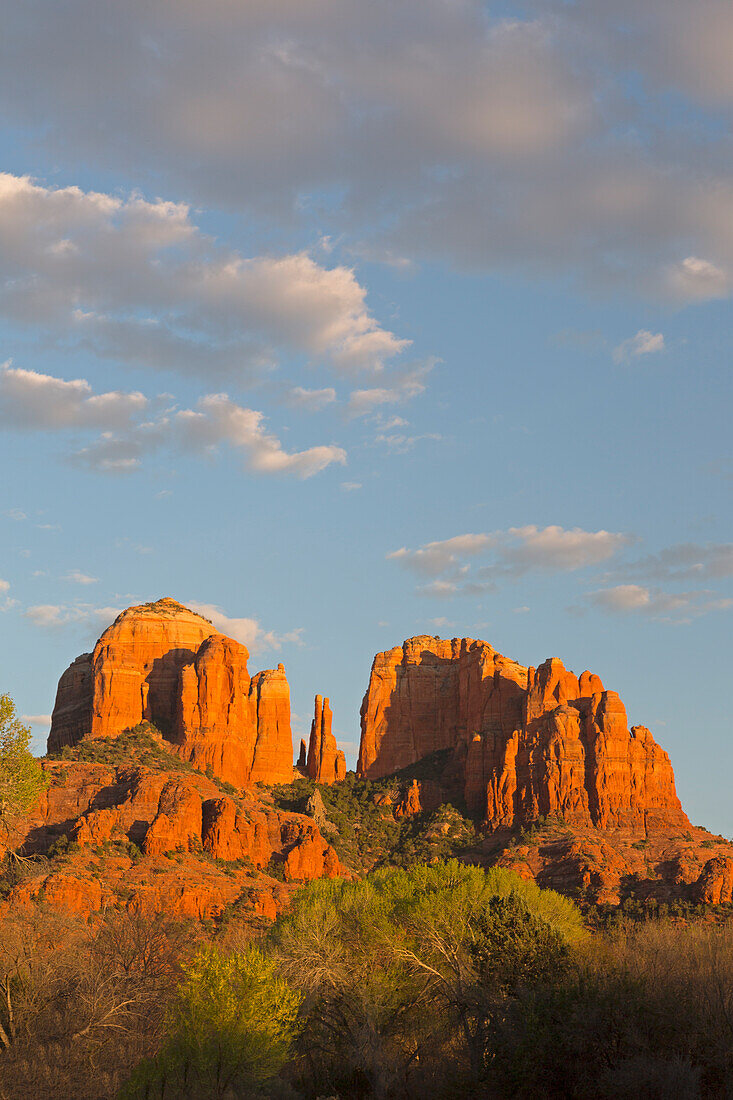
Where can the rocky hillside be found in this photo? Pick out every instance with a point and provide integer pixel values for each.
(125, 822)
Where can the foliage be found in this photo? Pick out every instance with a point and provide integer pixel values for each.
(79, 1005)
(231, 1026)
(21, 776)
(402, 964)
(647, 1013)
(142, 744)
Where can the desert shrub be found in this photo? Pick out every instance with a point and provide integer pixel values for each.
(81, 1004)
(645, 1011)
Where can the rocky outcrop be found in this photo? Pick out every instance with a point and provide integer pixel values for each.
(163, 664)
(72, 712)
(525, 743)
(715, 884)
(273, 755)
(326, 763)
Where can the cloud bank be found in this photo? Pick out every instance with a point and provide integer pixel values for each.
(515, 138)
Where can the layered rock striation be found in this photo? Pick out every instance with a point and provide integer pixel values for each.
(164, 664)
(524, 743)
(325, 762)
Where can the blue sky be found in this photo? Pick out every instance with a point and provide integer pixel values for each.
(347, 322)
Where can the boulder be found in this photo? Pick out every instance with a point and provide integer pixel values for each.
(715, 884)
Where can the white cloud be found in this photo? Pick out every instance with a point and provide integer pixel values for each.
(511, 553)
(36, 719)
(15, 513)
(436, 557)
(643, 343)
(139, 282)
(350, 486)
(677, 607)
(247, 631)
(696, 279)
(217, 420)
(42, 402)
(556, 549)
(77, 577)
(310, 400)
(4, 586)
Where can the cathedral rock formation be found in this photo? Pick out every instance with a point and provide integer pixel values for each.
(326, 763)
(524, 742)
(164, 664)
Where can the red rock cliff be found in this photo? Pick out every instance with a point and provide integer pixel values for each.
(525, 742)
(164, 664)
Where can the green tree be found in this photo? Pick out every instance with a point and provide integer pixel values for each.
(230, 1030)
(404, 967)
(21, 776)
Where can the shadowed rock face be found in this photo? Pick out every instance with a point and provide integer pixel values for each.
(164, 664)
(525, 742)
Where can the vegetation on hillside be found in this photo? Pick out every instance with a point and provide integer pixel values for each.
(142, 745)
(364, 830)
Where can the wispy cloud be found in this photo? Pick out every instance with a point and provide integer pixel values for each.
(77, 577)
(403, 387)
(683, 561)
(249, 632)
(673, 607)
(509, 554)
(310, 400)
(49, 616)
(643, 343)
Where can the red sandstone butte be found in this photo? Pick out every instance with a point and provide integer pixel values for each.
(524, 742)
(326, 763)
(167, 665)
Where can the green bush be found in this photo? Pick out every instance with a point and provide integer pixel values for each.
(229, 1030)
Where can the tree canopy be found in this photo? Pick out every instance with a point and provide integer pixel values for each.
(21, 776)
